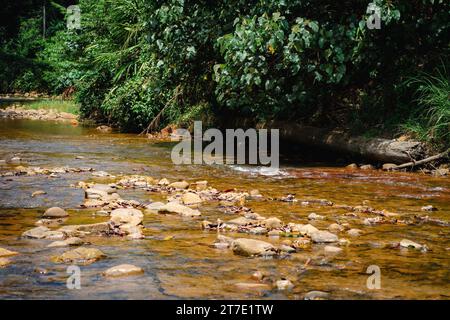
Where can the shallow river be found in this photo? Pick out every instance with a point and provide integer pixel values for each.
(186, 265)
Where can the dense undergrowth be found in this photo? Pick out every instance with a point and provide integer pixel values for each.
(313, 62)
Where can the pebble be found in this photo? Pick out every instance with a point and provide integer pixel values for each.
(429, 208)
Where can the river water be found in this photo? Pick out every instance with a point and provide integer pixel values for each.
(186, 265)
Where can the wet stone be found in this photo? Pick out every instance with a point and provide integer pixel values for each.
(323, 237)
(123, 270)
(80, 255)
(55, 212)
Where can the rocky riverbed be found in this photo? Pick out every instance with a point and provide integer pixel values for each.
(140, 227)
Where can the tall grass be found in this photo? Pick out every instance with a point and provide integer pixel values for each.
(431, 123)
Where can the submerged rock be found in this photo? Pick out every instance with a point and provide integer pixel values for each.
(104, 129)
(7, 253)
(354, 232)
(123, 270)
(80, 255)
(323, 237)
(315, 216)
(43, 233)
(317, 295)
(251, 247)
(173, 207)
(55, 212)
(335, 227)
(4, 262)
(245, 286)
(38, 193)
(332, 249)
(73, 241)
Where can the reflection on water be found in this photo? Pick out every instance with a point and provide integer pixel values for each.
(186, 266)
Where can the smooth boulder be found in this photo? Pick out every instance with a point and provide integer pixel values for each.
(251, 247)
(123, 270)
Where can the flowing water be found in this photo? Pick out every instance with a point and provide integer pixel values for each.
(186, 265)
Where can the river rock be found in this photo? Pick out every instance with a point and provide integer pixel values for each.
(354, 232)
(315, 216)
(286, 248)
(367, 167)
(104, 129)
(163, 182)
(429, 208)
(316, 295)
(129, 216)
(81, 255)
(43, 233)
(332, 249)
(4, 262)
(258, 230)
(154, 207)
(284, 284)
(273, 223)
(173, 207)
(123, 270)
(191, 198)
(405, 243)
(389, 166)
(307, 229)
(352, 166)
(201, 185)
(38, 193)
(323, 237)
(55, 212)
(335, 227)
(179, 185)
(101, 228)
(7, 253)
(73, 241)
(241, 221)
(251, 247)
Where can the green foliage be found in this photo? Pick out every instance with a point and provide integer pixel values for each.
(310, 61)
(431, 122)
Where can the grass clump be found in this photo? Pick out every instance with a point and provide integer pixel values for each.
(68, 106)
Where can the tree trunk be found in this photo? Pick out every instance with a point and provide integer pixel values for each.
(375, 149)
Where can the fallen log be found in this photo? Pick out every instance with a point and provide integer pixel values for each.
(423, 161)
(375, 149)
